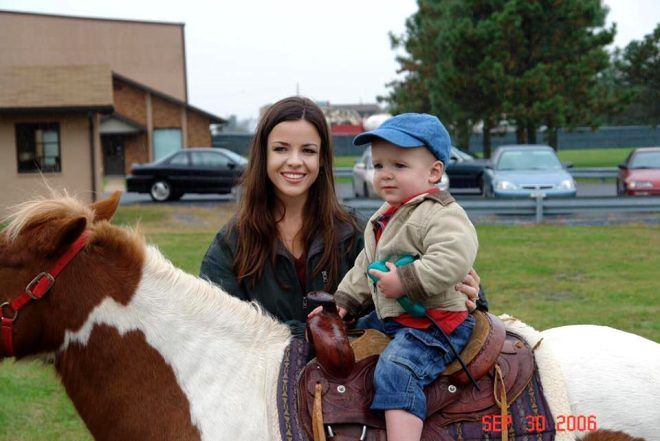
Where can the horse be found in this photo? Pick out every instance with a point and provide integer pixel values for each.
(146, 351)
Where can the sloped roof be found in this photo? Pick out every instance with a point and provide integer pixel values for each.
(213, 118)
(79, 87)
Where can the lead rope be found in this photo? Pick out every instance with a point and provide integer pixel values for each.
(317, 414)
(501, 401)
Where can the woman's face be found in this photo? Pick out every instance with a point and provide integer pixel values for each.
(293, 158)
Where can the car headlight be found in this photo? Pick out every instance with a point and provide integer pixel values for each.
(506, 185)
(567, 184)
(640, 184)
(443, 185)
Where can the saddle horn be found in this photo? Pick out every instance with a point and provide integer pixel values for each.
(326, 331)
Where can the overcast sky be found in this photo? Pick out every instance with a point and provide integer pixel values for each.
(242, 54)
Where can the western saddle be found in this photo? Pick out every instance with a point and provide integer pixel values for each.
(335, 388)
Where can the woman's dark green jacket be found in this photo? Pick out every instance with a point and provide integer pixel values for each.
(285, 299)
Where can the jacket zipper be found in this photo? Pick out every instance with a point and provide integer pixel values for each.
(324, 275)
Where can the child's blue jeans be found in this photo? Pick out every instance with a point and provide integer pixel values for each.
(411, 361)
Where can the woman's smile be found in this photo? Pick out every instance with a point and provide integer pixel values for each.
(293, 177)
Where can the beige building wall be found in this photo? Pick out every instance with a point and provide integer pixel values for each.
(149, 53)
(76, 174)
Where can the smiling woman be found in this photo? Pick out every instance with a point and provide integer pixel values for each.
(290, 235)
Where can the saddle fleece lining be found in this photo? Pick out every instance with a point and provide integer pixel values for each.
(552, 379)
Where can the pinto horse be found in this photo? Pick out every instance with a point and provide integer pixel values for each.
(146, 351)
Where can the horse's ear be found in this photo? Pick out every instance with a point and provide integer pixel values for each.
(57, 235)
(105, 209)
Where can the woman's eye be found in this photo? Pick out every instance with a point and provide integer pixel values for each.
(399, 165)
(378, 166)
(279, 148)
(310, 151)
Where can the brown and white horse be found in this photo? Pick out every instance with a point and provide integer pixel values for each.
(146, 351)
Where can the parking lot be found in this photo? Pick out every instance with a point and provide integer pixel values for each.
(344, 191)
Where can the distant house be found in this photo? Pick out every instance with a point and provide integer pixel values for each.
(84, 98)
(343, 119)
(348, 119)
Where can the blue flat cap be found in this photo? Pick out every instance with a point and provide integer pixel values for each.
(412, 130)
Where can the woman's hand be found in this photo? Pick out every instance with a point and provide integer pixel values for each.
(340, 310)
(470, 287)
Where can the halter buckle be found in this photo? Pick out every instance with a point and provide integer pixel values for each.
(2, 314)
(30, 286)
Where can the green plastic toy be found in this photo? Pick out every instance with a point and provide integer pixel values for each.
(414, 309)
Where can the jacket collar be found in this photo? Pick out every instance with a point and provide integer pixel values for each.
(344, 231)
(441, 197)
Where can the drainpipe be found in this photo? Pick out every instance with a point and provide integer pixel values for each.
(92, 150)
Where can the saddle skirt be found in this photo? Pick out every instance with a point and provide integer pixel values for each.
(493, 356)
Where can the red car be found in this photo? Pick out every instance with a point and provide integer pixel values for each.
(640, 174)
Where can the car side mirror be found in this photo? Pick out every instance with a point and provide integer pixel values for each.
(623, 166)
(360, 166)
(567, 164)
(231, 165)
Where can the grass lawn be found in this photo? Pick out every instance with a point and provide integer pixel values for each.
(545, 275)
(579, 158)
(595, 157)
(345, 161)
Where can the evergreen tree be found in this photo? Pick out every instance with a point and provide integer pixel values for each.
(638, 71)
(534, 62)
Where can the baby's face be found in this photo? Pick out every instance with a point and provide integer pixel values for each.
(400, 173)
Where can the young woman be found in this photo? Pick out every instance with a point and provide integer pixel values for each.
(290, 235)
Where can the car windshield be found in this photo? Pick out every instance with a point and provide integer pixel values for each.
(528, 160)
(238, 159)
(646, 160)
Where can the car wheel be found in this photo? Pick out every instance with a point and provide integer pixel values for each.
(236, 192)
(161, 191)
(355, 190)
(484, 190)
(620, 191)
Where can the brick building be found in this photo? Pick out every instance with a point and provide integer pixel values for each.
(147, 125)
(84, 98)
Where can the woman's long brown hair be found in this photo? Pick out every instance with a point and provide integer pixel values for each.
(256, 219)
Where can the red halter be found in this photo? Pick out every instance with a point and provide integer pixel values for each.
(35, 290)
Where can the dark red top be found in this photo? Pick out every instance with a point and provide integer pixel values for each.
(300, 271)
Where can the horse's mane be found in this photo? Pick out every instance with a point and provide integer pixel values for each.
(43, 208)
(210, 300)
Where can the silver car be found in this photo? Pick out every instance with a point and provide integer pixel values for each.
(520, 171)
(363, 177)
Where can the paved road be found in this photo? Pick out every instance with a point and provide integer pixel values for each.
(345, 191)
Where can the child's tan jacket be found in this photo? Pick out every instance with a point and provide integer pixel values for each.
(431, 226)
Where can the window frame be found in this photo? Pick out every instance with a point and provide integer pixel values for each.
(37, 167)
(154, 141)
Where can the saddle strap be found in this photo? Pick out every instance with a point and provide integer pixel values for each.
(501, 400)
(317, 414)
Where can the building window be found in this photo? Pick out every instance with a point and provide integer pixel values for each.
(38, 147)
(166, 141)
